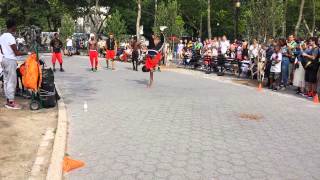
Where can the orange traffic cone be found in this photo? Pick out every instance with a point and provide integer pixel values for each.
(71, 164)
(260, 87)
(316, 99)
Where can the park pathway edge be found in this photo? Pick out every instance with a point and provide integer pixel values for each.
(60, 141)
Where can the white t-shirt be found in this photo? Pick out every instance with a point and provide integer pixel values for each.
(69, 42)
(6, 40)
(20, 40)
(224, 46)
(253, 51)
(276, 67)
(0, 64)
(180, 47)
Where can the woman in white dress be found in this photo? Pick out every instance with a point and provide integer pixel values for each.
(299, 73)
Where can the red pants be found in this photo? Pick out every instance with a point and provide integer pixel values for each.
(124, 57)
(110, 54)
(93, 54)
(55, 56)
(153, 62)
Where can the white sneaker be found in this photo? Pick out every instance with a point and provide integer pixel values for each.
(13, 105)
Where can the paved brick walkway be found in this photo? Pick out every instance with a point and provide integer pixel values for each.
(186, 127)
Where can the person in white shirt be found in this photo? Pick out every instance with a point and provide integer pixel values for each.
(254, 50)
(224, 45)
(275, 71)
(180, 50)
(8, 48)
(69, 46)
(1, 70)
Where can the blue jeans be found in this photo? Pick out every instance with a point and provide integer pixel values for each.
(285, 70)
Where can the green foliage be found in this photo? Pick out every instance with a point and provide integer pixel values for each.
(67, 27)
(167, 15)
(257, 17)
(116, 25)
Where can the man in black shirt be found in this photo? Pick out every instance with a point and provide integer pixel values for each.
(56, 46)
(111, 50)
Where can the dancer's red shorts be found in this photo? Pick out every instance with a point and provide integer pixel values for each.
(93, 54)
(110, 54)
(55, 56)
(153, 62)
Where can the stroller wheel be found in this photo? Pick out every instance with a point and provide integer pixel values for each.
(35, 105)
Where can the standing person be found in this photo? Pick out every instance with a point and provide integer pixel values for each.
(179, 50)
(8, 48)
(69, 46)
(292, 45)
(111, 48)
(93, 53)
(270, 50)
(135, 53)
(299, 73)
(275, 71)
(312, 67)
(254, 50)
(286, 55)
(56, 46)
(224, 44)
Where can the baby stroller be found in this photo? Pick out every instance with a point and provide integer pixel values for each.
(40, 81)
(195, 60)
(207, 64)
(221, 64)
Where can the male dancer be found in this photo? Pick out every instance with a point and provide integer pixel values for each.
(111, 48)
(93, 53)
(154, 55)
(56, 46)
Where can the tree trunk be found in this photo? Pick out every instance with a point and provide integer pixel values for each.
(273, 6)
(296, 29)
(138, 20)
(209, 20)
(284, 16)
(200, 31)
(314, 17)
(155, 12)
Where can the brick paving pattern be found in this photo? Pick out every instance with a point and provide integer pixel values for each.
(186, 127)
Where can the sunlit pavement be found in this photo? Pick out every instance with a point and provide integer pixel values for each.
(185, 127)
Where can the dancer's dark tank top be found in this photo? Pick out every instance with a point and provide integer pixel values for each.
(110, 44)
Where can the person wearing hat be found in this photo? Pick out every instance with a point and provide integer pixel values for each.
(111, 49)
(93, 52)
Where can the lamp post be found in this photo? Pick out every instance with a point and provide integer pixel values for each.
(237, 6)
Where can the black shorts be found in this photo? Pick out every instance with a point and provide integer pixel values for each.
(274, 75)
(311, 75)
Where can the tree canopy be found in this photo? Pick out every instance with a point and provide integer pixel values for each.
(258, 18)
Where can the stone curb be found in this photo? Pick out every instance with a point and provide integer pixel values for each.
(60, 140)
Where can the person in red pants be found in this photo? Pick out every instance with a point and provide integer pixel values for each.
(93, 53)
(111, 47)
(56, 46)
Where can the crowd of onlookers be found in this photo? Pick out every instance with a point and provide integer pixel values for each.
(283, 62)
